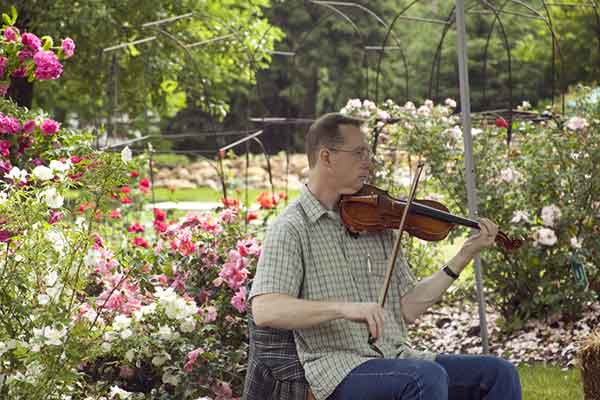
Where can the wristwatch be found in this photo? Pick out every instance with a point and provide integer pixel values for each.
(450, 273)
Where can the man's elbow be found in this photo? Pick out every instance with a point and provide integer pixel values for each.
(409, 318)
(408, 314)
(260, 312)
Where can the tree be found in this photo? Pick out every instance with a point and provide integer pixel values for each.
(160, 76)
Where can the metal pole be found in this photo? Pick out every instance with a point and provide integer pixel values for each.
(465, 102)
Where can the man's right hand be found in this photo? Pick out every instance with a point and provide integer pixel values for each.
(371, 313)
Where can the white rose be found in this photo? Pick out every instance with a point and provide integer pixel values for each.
(577, 123)
(450, 103)
(3, 197)
(160, 359)
(117, 392)
(509, 175)
(91, 258)
(43, 299)
(519, 216)
(165, 332)
(546, 236)
(130, 355)
(59, 166)
(126, 333)
(170, 378)
(121, 322)
(52, 198)
(51, 278)
(187, 325)
(57, 239)
(575, 243)
(17, 175)
(42, 173)
(550, 214)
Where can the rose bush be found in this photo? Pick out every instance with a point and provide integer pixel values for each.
(542, 187)
(100, 297)
(103, 298)
(25, 55)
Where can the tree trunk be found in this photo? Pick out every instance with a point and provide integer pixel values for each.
(21, 92)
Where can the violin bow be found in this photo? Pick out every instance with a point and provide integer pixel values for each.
(392, 264)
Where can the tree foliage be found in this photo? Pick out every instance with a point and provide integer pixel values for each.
(232, 41)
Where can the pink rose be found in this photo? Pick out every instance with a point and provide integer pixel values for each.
(210, 315)
(5, 148)
(50, 127)
(5, 166)
(115, 214)
(19, 72)
(68, 47)
(31, 41)
(29, 126)
(140, 242)
(5, 236)
(239, 300)
(10, 34)
(47, 66)
(126, 372)
(3, 89)
(3, 61)
(55, 216)
(144, 185)
(25, 55)
(192, 356)
(135, 228)
(9, 125)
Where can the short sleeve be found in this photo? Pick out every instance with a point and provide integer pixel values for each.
(280, 268)
(405, 276)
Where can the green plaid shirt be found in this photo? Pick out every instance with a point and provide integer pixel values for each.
(309, 254)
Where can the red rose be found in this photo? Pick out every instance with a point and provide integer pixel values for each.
(501, 123)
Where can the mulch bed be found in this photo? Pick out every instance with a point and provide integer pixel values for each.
(454, 328)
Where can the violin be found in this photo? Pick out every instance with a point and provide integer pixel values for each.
(372, 209)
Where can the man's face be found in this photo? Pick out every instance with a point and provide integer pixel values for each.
(350, 161)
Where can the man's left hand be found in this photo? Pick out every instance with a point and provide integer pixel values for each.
(485, 237)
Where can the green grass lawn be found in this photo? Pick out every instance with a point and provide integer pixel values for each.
(210, 195)
(550, 383)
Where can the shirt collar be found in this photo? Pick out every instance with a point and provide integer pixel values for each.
(312, 207)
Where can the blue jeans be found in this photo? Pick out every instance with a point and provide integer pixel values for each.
(449, 377)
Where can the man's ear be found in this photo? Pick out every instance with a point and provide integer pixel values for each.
(324, 156)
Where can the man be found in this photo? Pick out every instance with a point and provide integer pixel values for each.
(316, 279)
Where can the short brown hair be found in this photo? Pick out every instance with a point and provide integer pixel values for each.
(326, 131)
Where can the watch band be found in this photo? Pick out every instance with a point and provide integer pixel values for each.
(449, 272)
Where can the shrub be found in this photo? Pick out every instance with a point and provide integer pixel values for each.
(542, 187)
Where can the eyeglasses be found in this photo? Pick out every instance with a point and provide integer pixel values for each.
(362, 154)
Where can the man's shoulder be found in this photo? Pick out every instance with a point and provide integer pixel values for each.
(293, 219)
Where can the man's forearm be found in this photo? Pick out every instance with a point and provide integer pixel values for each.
(285, 312)
(429, 290)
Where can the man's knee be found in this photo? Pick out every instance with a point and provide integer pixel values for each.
(506, 373)
(432, 379)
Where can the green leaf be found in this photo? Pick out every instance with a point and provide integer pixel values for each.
(133, 51)
(15, 14)
(6, 19)
(48, 42)
(168, 86)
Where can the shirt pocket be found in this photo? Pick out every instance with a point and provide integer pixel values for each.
(375, 270)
